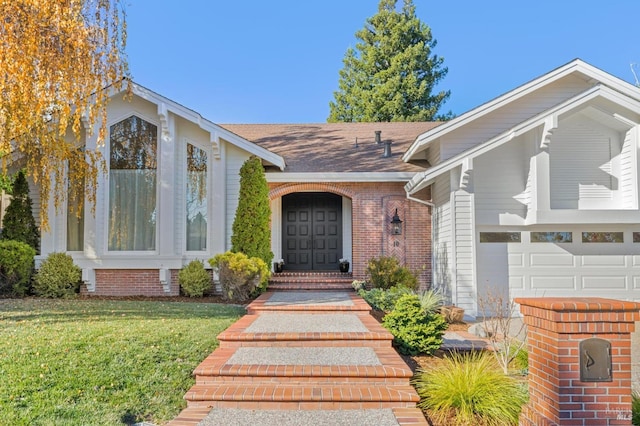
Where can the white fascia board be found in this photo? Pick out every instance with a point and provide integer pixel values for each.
(423, 140)
(340, 177)
(427, 177)
(209, 126)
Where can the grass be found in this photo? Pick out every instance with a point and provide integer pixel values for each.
(96, 362)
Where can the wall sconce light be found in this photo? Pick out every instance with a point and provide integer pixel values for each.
(396, 224)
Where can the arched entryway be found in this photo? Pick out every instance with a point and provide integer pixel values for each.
(312, 231)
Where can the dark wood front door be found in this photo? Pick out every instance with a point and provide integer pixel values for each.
(311, 231)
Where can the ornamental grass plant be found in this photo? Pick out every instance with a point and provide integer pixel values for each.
(470, 389)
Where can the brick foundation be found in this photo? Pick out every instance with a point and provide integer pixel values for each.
(555, 328)
(132, 282)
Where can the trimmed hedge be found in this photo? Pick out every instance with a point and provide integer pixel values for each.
(194, 279)
(16, 267)
(58, 276)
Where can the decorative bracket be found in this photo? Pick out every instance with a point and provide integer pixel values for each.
(165, 279)
(550, 126)
(215, 144)
(89, 279)
(465, 173)
(163, 115)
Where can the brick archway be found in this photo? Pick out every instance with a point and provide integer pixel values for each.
(307, 187)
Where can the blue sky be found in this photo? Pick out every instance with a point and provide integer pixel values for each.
(261, 61)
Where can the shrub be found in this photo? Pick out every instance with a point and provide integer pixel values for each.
(19, 223)
(241, 276)
(384, 300)
(194, 279)
(470, 389)
(430, 301)
(386, 272)
(58, 276)
(414, 331)
(252, 223)
(16, 267)
(635, 409)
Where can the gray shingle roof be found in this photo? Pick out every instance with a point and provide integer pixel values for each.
(331, 147)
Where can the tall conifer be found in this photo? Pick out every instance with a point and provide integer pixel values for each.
(19, 223)
(391, 74)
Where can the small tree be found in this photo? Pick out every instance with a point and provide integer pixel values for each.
(19, 223)
(252, 224)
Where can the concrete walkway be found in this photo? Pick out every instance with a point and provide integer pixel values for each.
(304, 358)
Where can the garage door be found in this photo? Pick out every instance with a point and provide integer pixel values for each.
(568, 263)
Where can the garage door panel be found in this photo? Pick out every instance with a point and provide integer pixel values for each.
(516, 282)
(540, 282)
(635, 260)
(613, 260)
(516, 259)
(636, 283)
(552, 259)
(608, 282)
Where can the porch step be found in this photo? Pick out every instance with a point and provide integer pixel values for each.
(309, 301)
(299, 396)
(286, 281)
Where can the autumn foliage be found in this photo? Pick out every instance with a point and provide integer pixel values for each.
(56, 59)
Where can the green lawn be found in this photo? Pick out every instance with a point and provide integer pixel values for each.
(96, 362)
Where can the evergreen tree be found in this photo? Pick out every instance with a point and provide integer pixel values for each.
(391, 74)
(252, 224)
(19, 223)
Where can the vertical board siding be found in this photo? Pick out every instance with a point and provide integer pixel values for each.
(507, 116)
(628, 166)
(500, 179)
(581, 169)
(465, 283)
(442, 241)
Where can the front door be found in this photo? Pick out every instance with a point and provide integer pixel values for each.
(311, 231)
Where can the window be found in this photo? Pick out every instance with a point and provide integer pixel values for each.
(75, 209)
(636, 237)
(132, 185)
(602, 237)
(551, 237)
(196, 198)
(500, 237)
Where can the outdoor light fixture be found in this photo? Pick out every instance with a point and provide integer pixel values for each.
(396, 224)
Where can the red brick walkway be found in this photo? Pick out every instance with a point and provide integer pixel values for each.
(220, 384)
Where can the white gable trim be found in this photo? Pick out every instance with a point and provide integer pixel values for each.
(548, 119)
(575, 66)
(166, 105)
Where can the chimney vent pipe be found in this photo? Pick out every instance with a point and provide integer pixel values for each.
(387, 149)
(378, 133)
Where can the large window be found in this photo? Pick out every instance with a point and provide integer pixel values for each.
(75, 209)
(132, 185)
(196, 198)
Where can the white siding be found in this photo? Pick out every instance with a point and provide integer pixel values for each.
(584, 166)
(442, 241)
(500, 179)
(463, 239)
(628, 166)
(234, 160)
(510, 115)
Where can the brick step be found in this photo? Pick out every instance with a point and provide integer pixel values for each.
(301, 396)
(309, 302)
(310, 285)
(287, 281)
(193, 415)
(392, 369)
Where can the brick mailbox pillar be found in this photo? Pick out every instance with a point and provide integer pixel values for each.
(579, 361)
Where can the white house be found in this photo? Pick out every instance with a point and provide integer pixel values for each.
(536, 192)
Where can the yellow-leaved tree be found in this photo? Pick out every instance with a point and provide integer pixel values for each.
(58, 61)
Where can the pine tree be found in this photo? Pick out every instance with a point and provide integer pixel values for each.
(19, 223)
(252, 224)
(391, 74)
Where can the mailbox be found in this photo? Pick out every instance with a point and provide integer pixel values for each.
(595, 360)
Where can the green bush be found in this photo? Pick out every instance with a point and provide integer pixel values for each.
(635, 409)
(384, 300)
(470, 389)
(414, 331)
(386, 272)
(16, 267)
(194, 279)
(251, 229)
(19, 223)
(58, 276)
(241, 277)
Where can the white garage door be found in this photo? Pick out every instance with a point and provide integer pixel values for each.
(542, 264)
